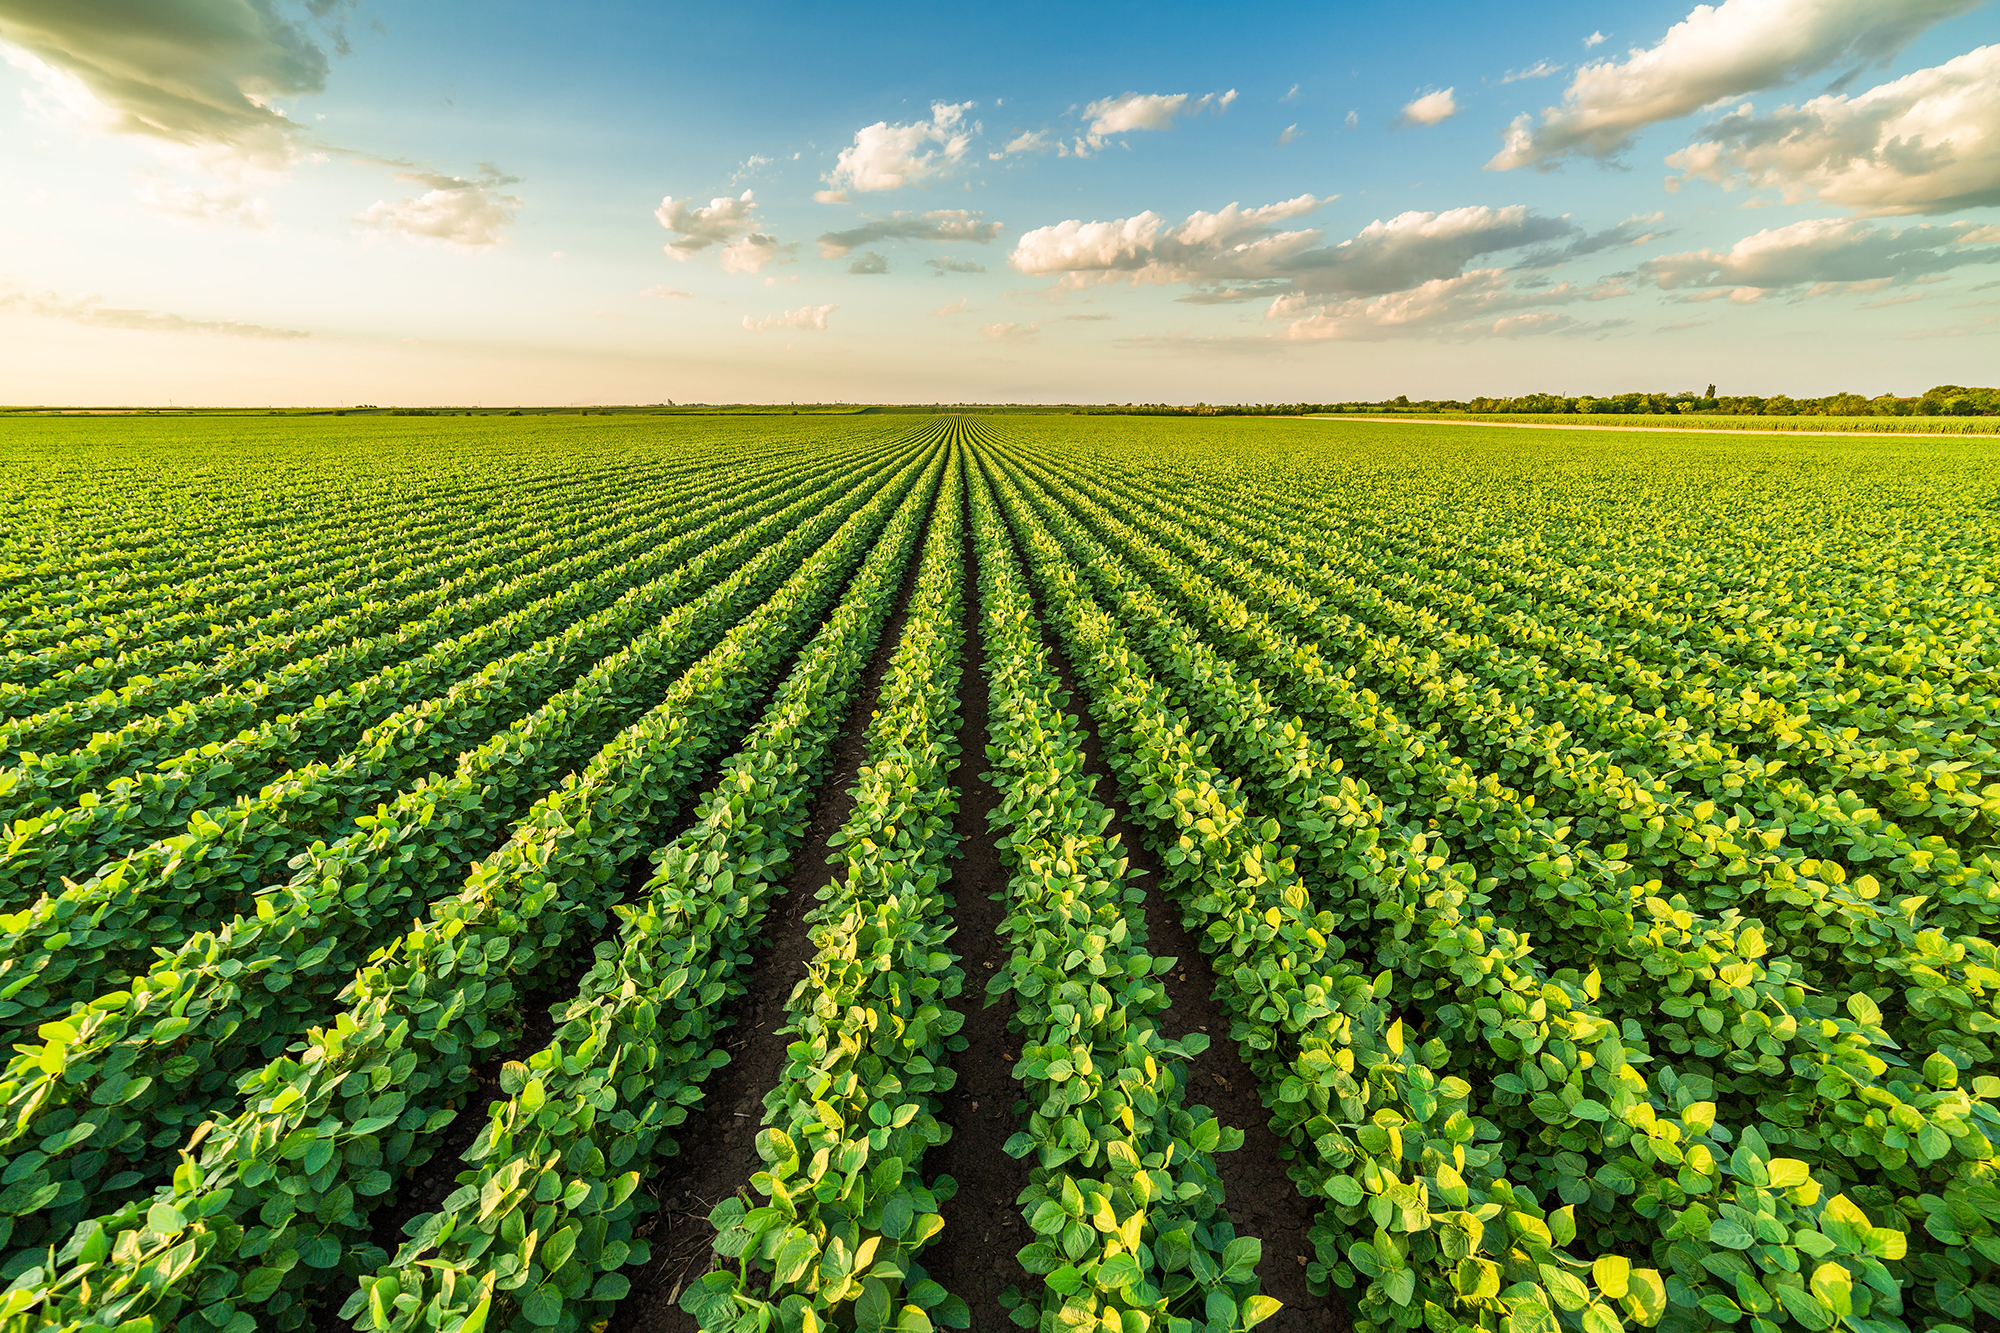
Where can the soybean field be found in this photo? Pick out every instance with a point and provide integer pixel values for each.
(881, 872)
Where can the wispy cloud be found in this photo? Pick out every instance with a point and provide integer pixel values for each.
(947, 224)
(1541, 69)
(1110, 116)
(91, 311)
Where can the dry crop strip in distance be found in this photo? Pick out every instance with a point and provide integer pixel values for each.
(849, 1209)
(1124, 1200)
(114, 1087)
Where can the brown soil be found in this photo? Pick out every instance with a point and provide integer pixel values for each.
(973, 1257)
(718, 1154)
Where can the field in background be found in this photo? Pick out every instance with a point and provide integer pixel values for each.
(1696, 421)
(889, 871)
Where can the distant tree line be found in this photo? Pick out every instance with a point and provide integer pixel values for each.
(1946, 400)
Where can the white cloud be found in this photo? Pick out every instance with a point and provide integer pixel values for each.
(666, 293)
(958, 307)
(751, 253)
(1738, 47)
(1028, 141)
(829, 196)
(1431, 108)
(887, 157)
(1290, 134)
(1240, 254)
(725, 221)
(91, 311)
(944, 224)
(1142, 111)
(188, 72)
(1484, 303)
(1824, 256)
(1541, 69)
(1235, 242)
(1928, 142)
(721, 221)
(1353, 120)
(1595, 39)
(805, 317)
(206, 205)
(463, 214)
(1291, 96)
(750, 166)
(1011, 331)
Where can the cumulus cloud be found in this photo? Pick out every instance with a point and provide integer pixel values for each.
(463, 214)
(192, 72)
(720, 222)
(805, 317)
(1727, 50)
(945, 224)
(887, 157)
(91, 311)
(1240, 254)
(1821, 256)
(1290, 134)
(727, 222)
(949, 265)
(1595, 39)
(206, 205)
(870, 262)
(1431, 108)
(1928, 142)
(1481, 304)
(1233, 243)
(1141, 111)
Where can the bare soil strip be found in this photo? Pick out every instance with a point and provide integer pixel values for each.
(718, 1151)
(974, 1255)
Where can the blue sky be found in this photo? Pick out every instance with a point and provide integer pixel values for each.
(258, 201)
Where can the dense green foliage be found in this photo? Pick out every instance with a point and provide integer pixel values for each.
(1595, 838)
